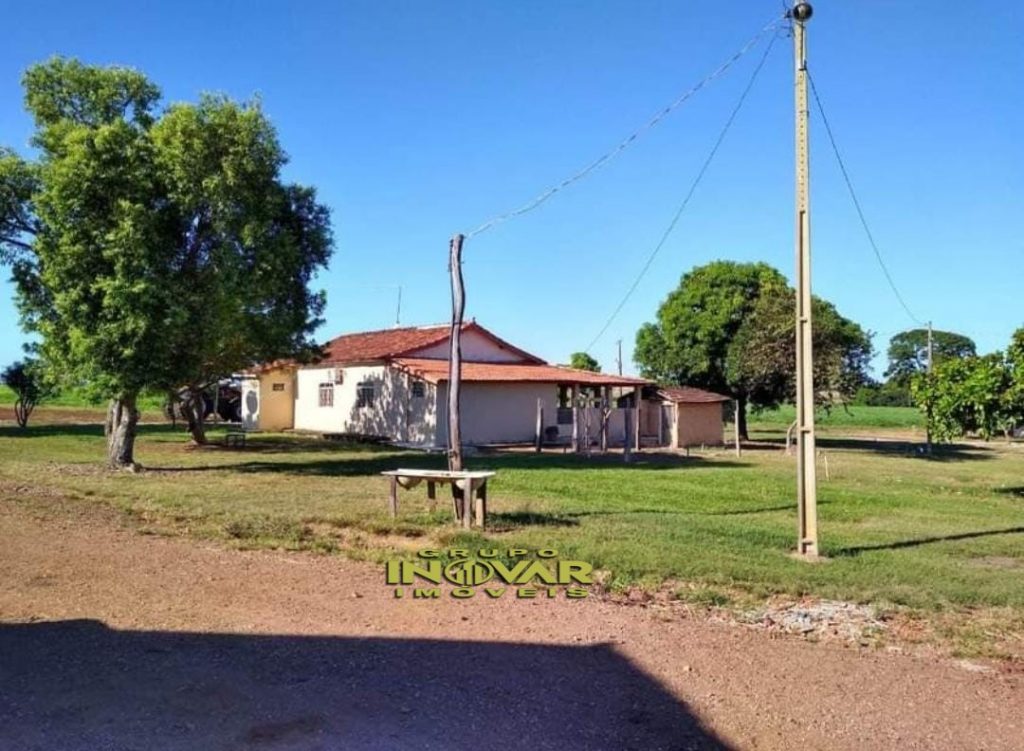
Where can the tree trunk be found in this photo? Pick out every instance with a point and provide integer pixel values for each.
(741, 417)
(122, 417)
(193, 407)
(23, 410)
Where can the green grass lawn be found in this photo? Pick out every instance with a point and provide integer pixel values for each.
(78, 400)
(850, 416)
(934, 534)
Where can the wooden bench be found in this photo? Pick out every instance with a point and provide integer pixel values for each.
(469, 491)
(234, 439)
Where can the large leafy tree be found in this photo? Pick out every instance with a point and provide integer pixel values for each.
(729, 327)
(908, 352)
(762, 356)
(247, 245)
(584, 361)
(154, 249)
(982, 395)
(697, 323)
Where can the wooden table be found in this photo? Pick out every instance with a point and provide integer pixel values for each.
(467, 487)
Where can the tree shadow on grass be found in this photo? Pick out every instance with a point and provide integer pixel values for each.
(80, 685)
(373, 463)
(900, 544)
(1016, 492)
(946, 452)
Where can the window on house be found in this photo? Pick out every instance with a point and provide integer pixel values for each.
(364, 395)
(278, 387)
(326, 394)
(418, 389)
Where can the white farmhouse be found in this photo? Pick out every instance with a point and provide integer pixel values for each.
(392, 385)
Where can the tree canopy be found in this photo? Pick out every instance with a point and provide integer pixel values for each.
(155, 249)
(584, 361)
(983, 395)
(908, 352)
(25, 380)
(730, 327)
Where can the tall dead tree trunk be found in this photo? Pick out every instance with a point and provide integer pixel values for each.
(122, 418)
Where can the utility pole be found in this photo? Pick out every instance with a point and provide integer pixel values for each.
(619, 359)
(807, 481)
(928, 415)
(455, 357)
(398, 312)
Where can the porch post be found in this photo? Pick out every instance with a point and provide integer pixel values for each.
(606, 399)
(638, 398)
(575, 419)
(540, 426)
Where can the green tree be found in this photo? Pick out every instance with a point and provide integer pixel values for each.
(150, 250)
(25, 380)
(583, 361)
(248, 245)
(965, 395)
(697, 323)
(908, 352)
(762, 356)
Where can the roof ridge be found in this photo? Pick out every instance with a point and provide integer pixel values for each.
(389, 330)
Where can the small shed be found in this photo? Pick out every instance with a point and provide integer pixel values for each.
(694, 416)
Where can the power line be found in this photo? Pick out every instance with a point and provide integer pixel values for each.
(628, 141)
(689, 194)
(856, 203)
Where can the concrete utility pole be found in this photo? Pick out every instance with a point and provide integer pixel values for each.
(928, 417)
(619, 359)
(807, 481)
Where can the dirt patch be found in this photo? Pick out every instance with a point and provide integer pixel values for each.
(113, 639)
(820, 619)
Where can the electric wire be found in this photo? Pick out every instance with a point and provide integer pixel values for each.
(689, 194)
(856, 204)
(630, 139)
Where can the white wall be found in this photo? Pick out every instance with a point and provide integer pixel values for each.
(507, 413)
(395, 413)
(251, 403)
(475, 348)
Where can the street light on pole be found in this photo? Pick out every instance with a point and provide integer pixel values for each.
(807, 482)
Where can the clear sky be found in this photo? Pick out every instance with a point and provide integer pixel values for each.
(416, 120)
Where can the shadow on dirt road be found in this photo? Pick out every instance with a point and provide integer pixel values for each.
(80, 685)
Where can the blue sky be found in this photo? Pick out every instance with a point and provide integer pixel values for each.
(416, 120)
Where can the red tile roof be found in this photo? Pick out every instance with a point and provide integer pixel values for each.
(435, 371)
(690, 395)
(390, 343)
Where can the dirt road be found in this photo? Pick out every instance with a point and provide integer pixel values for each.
(114, 640)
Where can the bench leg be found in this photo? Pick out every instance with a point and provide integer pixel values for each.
(481, 505)
(393, 498)
(456, 502)
(467, 505)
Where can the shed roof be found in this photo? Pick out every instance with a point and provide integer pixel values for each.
(436, 371)
(690, 395)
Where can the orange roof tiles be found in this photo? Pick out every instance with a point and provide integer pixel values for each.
(389, 343)
(437, 370)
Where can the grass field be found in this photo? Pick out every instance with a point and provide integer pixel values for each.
(853, 416)
(932, 534)
(77, 400)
